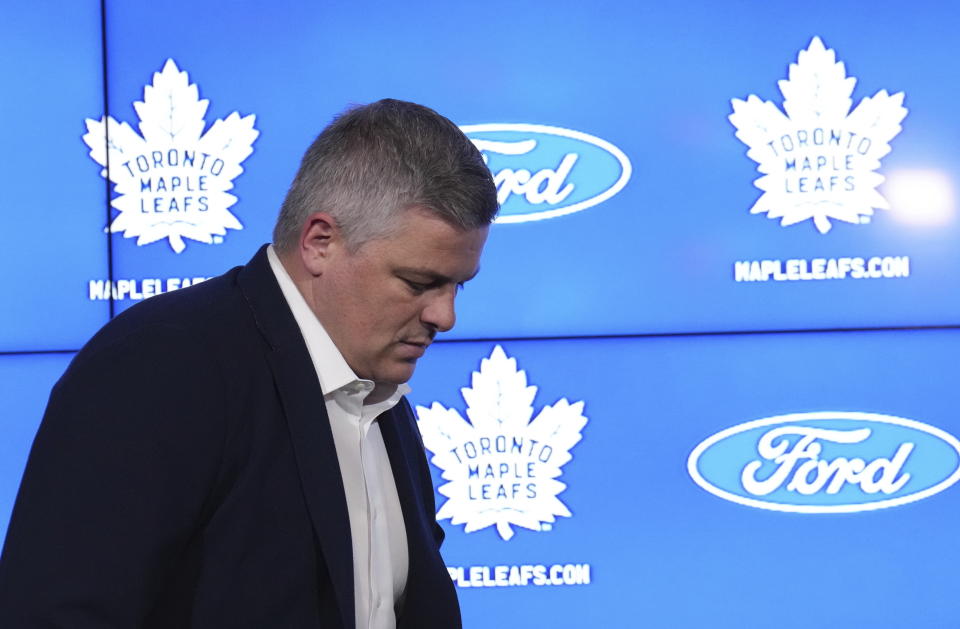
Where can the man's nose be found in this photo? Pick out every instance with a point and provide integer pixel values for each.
(439, 313)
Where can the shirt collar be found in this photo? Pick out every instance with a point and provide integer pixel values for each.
(331, 367)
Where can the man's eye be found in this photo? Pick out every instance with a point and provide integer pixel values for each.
(417, 287)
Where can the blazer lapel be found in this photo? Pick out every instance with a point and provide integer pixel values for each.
(309, 426)
(406, 455)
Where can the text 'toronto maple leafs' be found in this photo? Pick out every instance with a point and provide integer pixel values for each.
(501, 468)
(819, 160)
(172, 180)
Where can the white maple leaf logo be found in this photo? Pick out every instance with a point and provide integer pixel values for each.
(501, 468)
(818, 161)
(172, 179)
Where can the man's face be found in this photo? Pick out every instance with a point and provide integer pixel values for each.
(383, 303)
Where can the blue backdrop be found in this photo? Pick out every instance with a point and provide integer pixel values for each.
(665, 553)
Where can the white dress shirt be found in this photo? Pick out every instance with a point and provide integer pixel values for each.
(376, 520)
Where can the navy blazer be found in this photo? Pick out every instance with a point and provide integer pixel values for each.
(185, 476)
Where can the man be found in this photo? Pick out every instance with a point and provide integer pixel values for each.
(239, 453)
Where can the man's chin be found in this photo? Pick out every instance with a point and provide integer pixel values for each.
(397, 372)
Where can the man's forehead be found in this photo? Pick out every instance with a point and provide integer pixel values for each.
(420, 214)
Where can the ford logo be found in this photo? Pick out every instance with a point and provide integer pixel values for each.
(826, 462)
(544, 172)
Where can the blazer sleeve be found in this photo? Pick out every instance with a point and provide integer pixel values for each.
(116, 484)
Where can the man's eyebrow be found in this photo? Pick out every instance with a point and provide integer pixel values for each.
(434, 277)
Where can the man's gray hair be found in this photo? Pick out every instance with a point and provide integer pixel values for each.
(375, 161)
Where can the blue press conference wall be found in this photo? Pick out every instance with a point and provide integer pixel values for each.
(654, 80)
(52, 204)
(649, 85)
(25, 383)
(662, 551)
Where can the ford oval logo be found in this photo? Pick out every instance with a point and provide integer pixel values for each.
(826, 462)
(543, 172)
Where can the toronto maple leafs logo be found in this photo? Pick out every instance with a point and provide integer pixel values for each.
(501, 468)
(818, 161)
(172, 179)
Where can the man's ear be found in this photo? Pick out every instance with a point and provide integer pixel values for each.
(320, 234)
